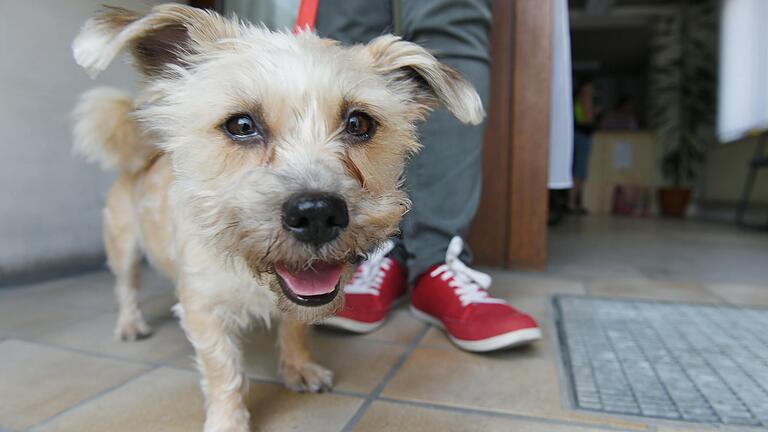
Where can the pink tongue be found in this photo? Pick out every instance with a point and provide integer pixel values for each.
(320, 279)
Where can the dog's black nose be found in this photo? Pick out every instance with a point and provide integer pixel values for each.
(315, 218)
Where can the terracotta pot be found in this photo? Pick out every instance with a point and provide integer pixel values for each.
(673, 201)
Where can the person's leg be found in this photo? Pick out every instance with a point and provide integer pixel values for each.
(443, 180)
(444, 184)
(354, 21)
(573, 195)
(379, 282)
(581, 150)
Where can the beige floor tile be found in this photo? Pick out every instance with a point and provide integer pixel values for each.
(170, 400)
(401, 328)
(437, 338)
(652, 290)
(87, 291)
(523, 381)
(742, 295)
(395, 417)
(37, 382)
(358, 365)
(34, 310)
(532, 283)
(532, 293)
(159, 304)
(97, 335)
(274, 408)
(567, 267)
(685, 250)
(23, 318)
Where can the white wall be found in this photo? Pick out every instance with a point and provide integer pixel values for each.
(743, 90)
(50, 202)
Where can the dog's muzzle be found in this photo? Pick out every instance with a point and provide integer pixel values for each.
(316, 286)
(313, 218)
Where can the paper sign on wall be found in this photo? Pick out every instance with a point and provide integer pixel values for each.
(622, 155)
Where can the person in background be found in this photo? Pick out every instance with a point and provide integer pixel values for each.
(621, 118)
(584, 117)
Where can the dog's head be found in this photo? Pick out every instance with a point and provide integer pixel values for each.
(287, 150)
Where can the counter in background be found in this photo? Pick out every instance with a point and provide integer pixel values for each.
(619, 158)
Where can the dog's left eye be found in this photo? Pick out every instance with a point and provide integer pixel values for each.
(360, 125)
(241, 126)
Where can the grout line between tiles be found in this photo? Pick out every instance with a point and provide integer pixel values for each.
(258, 380)
(385, 380)
(346, 393)
(90, 399)
(90, 353)
(719, 297)
(350, 337)
(192, 369)
(466, 410)
(87, 314)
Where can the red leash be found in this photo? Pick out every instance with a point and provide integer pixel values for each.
(307, 16)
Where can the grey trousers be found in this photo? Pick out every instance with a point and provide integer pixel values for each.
(443, 180)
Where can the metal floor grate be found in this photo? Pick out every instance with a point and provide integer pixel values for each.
(676, 361)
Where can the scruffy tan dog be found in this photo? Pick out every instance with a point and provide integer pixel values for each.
(255, 167)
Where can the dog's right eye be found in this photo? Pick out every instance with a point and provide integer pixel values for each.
(241, 126)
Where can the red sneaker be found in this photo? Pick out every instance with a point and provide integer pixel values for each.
(376, 286)
(454, 297)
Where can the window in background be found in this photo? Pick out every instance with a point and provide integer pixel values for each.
(743, 90)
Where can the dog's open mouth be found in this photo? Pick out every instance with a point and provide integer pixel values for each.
(315, 286)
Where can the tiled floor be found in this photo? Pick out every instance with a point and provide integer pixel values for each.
(61, 370)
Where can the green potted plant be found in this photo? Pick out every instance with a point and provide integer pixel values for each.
(683, 93)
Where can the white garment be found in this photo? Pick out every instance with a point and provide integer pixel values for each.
(561, 108)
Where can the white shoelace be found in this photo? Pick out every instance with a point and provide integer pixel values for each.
(370, 273)
(471, 286)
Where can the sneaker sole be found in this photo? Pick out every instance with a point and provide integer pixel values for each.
(360, 327)
(506, 340)
(351, 325)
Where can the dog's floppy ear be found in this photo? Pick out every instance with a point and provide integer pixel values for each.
(435, 82)
(162, 37)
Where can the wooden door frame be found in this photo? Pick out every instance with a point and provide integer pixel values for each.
(510, 229)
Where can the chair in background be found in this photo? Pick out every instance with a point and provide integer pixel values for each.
(759, 160)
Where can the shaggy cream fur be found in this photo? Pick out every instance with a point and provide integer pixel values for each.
(206, 209)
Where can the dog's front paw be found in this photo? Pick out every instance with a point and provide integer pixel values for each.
(237, 422)
(306, 377)
(226, 425)
(132, 330)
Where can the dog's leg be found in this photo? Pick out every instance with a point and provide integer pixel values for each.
(121, 239)
(220, 360)
(296, 367)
